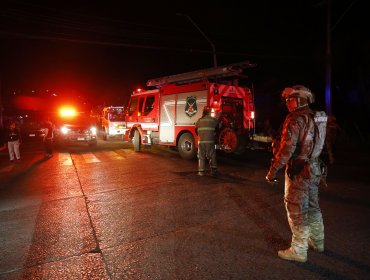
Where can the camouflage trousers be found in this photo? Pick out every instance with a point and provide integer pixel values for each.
(206, 151)
(303, 211)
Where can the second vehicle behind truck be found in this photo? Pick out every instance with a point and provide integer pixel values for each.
(112, 121)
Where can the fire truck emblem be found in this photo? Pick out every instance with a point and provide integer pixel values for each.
(191, 106)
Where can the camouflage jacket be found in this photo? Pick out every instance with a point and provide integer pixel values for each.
(297, 140)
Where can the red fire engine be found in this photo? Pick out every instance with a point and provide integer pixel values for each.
(166, 115)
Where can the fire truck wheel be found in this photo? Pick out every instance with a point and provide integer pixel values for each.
(136, 141)
(105, 134)
(186, 146)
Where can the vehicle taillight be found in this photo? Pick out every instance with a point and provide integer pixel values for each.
(213, 112)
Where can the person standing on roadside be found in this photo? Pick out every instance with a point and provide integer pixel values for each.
(48, 138)
(206, 128)
(301, 144)
(13, 137)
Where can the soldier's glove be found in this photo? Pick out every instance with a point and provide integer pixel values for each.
(271, 177)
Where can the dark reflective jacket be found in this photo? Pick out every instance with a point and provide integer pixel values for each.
(206, 129)
(12, 134)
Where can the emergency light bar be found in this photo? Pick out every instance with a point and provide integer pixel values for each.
(67, 112)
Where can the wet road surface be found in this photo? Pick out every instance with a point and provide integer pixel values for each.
(110, 213)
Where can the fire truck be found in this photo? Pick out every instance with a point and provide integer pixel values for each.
(166, 113)
(112, 121)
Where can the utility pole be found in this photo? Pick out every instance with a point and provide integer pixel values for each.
(328, 61)
(328, 57)
(1, 105)
(1, 102)
(204, 35)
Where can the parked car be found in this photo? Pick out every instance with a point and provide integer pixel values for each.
(31, 130)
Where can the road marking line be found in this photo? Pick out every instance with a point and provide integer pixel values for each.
(90, 158)
(113, 155)
(65, 159)
(124, 153)
(132, 153)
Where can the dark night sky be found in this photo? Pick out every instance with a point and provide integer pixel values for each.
(103, 50)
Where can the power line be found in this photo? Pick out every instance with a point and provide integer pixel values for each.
(140, 46)
(97, 42)
(343, 15)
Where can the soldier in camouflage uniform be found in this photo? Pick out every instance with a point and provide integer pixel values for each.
(206, 128)
(300, 146)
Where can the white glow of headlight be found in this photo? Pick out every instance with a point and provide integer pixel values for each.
(93, 130)
(64, 130)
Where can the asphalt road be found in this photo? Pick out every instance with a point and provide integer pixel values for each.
(110, 213)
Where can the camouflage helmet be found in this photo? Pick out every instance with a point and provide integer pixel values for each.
(299, 91)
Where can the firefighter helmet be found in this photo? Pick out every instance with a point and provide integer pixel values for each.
(299, 91)
(206, 110)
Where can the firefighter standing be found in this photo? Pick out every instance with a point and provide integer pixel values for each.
(206, 128)
(299, 149)
(13, 138)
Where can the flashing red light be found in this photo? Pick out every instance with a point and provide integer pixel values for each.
(138, 90)
(67, 112)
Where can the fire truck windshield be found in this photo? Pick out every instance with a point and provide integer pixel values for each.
(116, 115)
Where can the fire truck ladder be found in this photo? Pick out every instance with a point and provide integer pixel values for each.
(230, 70)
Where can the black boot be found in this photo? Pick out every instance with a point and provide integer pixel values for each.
(214, 172)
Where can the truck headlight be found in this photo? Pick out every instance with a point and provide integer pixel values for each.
(93, 130)
(64, 130)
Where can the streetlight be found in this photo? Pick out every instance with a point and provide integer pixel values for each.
(204, 35)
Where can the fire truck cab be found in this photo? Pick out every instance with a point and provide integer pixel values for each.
(112, 121)
(166, 114)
